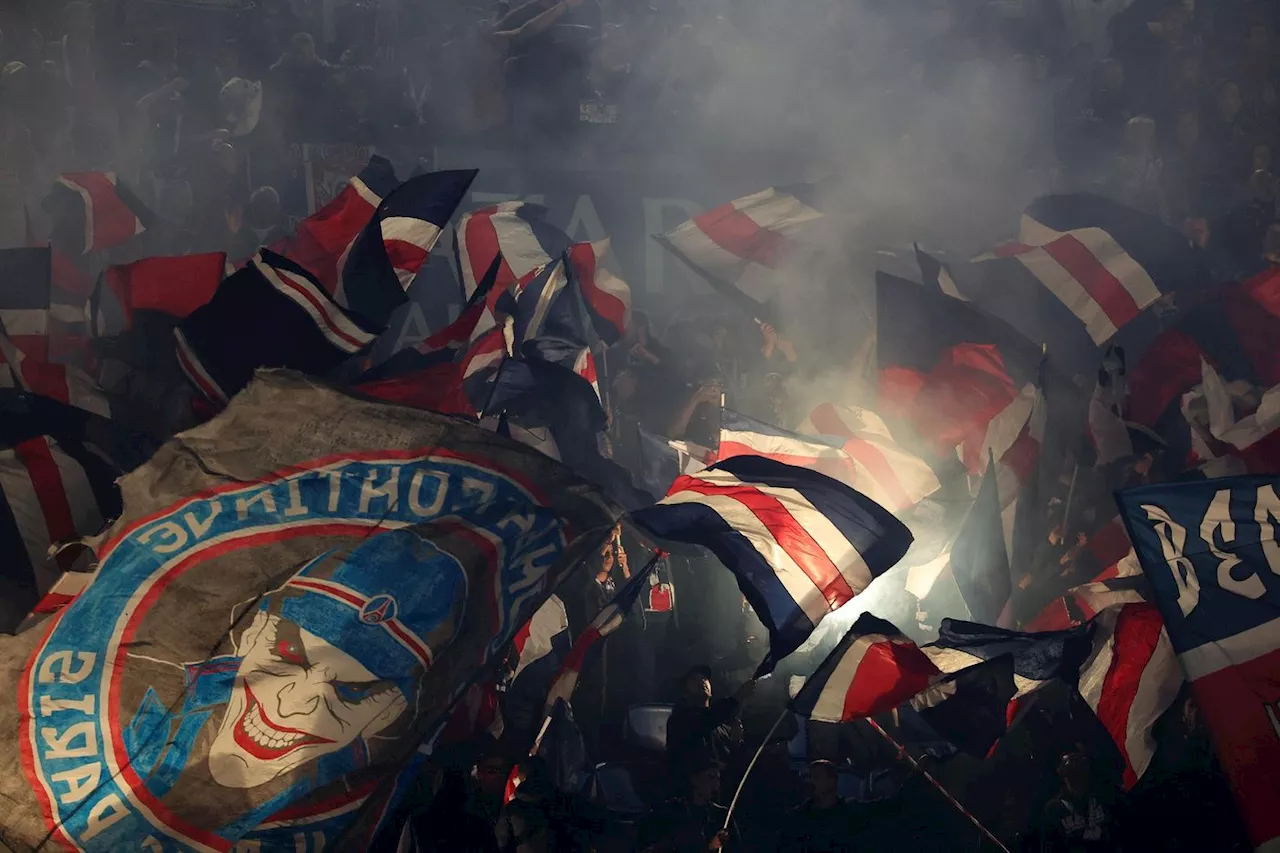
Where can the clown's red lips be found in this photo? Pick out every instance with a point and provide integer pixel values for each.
(258, 735)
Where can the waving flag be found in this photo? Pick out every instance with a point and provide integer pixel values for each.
(1131, 678)
(800, 543)
(1208, 548)
(324, 236)
(546, 306)
(607, 297)
(271, 313)
(314, 592)
(1104, 262)
(1233, 330)
(58, 467)
(376, 269)
(872, 670)
(947, 371)
(544, 640)
(93, 211)
(515, 233)
(756, 229)
(51, 492)
(162, 289)
(886, 472)
(608, 620)
(967, 709)
(60, 382)
(1037, 658)
(744, 436)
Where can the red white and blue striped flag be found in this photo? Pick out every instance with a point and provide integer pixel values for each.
(800, 543)
(872, 670)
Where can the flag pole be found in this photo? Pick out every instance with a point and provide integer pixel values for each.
(915, 765)
(743, 781)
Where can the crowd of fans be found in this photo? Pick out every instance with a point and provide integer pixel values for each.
(1167, 105)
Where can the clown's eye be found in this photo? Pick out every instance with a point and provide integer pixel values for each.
(354, 692)
(290, 651)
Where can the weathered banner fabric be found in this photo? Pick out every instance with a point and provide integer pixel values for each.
(295, 592)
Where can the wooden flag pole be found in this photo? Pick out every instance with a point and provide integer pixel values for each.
(743, 781)
(915, 765)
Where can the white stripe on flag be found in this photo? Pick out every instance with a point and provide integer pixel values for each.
(418, 233)
(87, 198)
(85, 513)
(954, 660)
(25, 322)
(1230, 651)
(793, 579)
(328, 317)
(551, 289)
(1069, 292)
(829, 706)
(548, 621)
(840, 550)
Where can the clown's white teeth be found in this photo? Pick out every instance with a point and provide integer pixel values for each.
(264, 735)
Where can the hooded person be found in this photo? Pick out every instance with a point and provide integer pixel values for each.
(323, 677)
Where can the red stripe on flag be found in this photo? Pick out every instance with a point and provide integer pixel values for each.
(603, 303)
(114, 222)
(738, 234)
(405, 255)
(1137, 633)
(827, 421)
(873, 459)
(46, 480)
(1104, 288)
(1168, 368)
(324, 235)
(578, 654)
(782, 526)
(888, 675)
(482, 246)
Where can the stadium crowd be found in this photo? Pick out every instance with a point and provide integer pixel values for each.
(1170, 107)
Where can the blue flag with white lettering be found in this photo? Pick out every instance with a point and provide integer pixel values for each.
(1209, 549)
(295, 594)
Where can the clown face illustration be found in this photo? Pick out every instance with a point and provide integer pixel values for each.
(296, 698)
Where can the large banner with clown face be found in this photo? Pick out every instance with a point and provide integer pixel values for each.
(293, 596)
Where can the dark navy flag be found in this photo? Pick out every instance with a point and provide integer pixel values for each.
(800, 544)
(550, 306)
(979, 561)
(1037, 658)
(1209, 549)
(968, 708)
(271, 313)
(872, 670)
(382, 261)
(538, 394)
